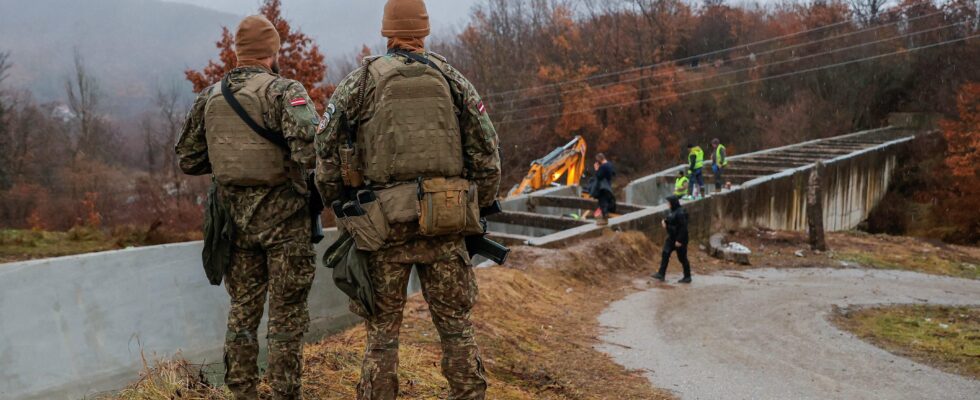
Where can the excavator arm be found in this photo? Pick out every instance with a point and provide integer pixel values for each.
(568, 160)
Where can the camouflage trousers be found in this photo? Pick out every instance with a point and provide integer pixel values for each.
(449, 286)
(277, 262)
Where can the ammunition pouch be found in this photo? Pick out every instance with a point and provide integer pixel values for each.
(448, 206)
(365, 221)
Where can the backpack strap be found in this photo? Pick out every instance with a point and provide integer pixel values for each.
(267, 134)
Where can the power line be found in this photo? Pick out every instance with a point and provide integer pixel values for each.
(736, 71)
(731, 85)
(703, 65)
(678, 60)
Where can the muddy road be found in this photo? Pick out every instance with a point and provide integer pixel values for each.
(766, 334)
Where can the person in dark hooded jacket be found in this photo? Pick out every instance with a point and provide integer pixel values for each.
(602, 189)
(677, 239)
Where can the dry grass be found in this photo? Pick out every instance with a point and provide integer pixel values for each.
(536, 325)
(176, 379)
(947, 338)
(906, 253)
(778, 250)
(18, 244)
(26, 244)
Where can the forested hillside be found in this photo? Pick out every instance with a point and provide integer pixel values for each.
(642, 78)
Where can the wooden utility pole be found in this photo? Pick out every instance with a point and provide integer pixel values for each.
(814, 209)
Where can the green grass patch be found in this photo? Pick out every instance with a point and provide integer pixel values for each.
(16, 244)
(925, 263)
(947, 338)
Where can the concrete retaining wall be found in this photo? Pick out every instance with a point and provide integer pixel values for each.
(653, 189)
(853, 185)
(75, 326)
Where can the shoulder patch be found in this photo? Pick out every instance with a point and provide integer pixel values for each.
(299, 101)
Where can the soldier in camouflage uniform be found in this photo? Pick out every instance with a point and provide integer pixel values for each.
(448, 281)
(272, 254)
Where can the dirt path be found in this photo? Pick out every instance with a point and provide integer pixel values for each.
(765, 334)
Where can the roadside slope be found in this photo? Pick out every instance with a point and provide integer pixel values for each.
(536, 326)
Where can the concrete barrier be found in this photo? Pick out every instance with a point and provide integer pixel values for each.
(79, 325)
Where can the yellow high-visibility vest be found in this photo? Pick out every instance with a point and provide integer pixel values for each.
(718, 159)
(680, 186)
(699, 157)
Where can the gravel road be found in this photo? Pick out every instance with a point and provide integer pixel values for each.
(765, 334)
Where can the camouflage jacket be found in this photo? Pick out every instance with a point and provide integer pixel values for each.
(260, 207)
(481, 158)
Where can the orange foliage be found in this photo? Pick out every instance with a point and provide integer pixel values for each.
(960, 197)
(89, 204)
(299, 58)
(963, 135)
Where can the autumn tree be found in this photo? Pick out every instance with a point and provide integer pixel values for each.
(963, 135)
(299, 58)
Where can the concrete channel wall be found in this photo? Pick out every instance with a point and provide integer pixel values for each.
(853, 184)
(653, 189)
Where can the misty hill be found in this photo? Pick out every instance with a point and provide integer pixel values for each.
(133, 47)
(342, 26)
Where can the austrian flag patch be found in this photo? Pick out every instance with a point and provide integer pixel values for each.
(299, 101)
(481, 108)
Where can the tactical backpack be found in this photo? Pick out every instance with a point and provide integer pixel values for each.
(238, 156)
(414, 131)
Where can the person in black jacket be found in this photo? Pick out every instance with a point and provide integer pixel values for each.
(677, 239)
(602, 189)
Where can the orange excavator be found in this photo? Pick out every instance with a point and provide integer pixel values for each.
(568, 160)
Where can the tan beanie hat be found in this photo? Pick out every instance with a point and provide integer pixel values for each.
(256, 39)
(405, 19)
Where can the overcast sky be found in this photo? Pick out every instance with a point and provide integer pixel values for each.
(342, 26)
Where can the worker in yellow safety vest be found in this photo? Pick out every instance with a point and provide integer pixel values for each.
(719, 161)
(695, 160)
(681, 183)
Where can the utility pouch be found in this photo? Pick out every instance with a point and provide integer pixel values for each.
(400, 203)
(366, 222)
(350, 169)
(443, 206)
